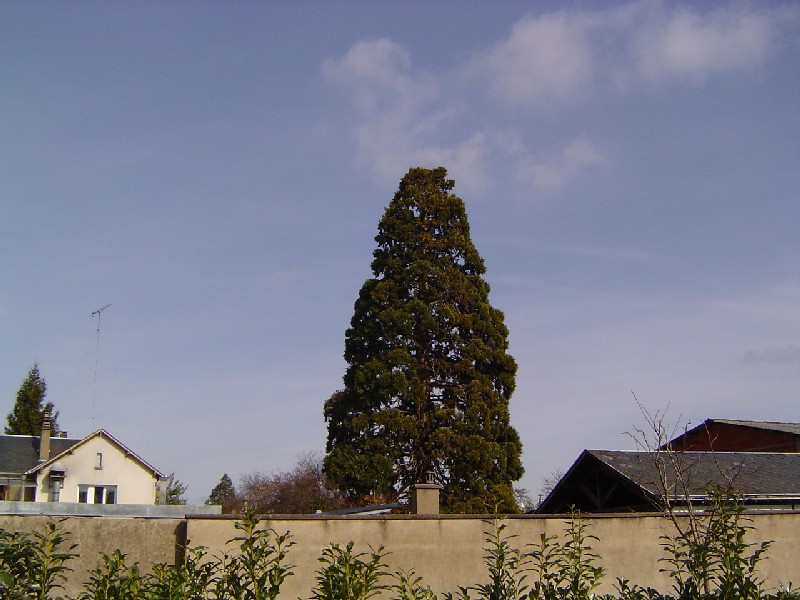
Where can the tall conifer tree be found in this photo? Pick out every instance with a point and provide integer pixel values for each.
(28, 413)
(429, 377)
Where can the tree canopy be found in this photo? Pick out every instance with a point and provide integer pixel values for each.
(428, 377)
(224, 494)
(29, 408)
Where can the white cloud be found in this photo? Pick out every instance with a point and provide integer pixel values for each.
(555, 172)
(401, 116)
(390, 143)
(689, 44)
(567, 56)
(544, 58)
(377, 74)
(405, 116)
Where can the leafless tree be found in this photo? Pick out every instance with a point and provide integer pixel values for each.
(709, 544)
(301, 490)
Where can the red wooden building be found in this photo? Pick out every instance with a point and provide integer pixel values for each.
(725, 435)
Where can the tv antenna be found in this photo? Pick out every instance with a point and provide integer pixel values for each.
(96, 360)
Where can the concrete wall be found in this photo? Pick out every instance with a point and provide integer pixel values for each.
(445, 550)
(71, 509)
(146, 541)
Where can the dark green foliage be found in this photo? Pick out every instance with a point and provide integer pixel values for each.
(410, 587)
(506, 565)
(191, 580)
(113, 579)
(29, 408)
(576, 561)
(255, 572)
(626, 591)
(32, 565)
(224, 494)
(545, 559)
(260, 568)
(429, 377)
(18, 555)
(557, 570)
(349, 576)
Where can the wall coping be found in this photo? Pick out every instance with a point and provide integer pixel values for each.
(70, 509)
(484, 517)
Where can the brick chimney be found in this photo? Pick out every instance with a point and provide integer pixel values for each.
(425, 496)
(44, 441)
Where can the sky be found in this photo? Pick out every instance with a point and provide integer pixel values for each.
(215, 172)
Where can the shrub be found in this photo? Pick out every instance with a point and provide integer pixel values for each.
(32, 565)
(349, 576)
(260, 568)
(112, 579)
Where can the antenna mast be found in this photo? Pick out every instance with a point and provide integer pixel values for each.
(96, 360)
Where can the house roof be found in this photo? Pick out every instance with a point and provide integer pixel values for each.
(20, 453)
(739, 435)
(793, 428)
(749, 473)
(623, 480)
(375, 509)
(99, 433)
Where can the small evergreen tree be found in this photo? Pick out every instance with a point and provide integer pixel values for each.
(224, 493)
(428, 376)
(29, 409)
(175, 490)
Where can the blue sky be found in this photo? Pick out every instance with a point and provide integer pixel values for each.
(216, 172)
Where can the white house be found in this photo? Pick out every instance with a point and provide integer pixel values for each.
(98, 469)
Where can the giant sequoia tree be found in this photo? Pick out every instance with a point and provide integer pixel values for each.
(429, 377)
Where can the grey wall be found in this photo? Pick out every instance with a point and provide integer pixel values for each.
(445, 550)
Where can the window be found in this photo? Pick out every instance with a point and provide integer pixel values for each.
(98, 461)
(97, 494)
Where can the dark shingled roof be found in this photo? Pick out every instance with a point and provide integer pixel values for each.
(20, 453)
(749, 473)
(616, 480)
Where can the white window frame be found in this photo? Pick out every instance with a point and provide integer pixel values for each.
(97, 494)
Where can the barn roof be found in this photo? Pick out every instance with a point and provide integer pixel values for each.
(616, 480)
